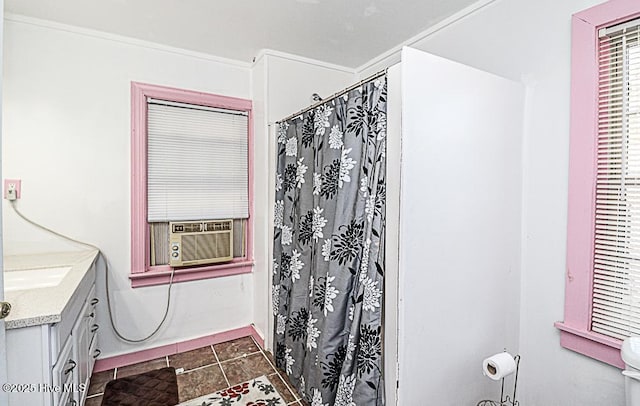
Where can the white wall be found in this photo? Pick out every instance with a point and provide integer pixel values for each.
(68, 139)
(282, 85)
(529, 42)
(459, 227)
(66, 134)
(293, 80)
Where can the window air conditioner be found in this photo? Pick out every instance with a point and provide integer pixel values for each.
(200, 242)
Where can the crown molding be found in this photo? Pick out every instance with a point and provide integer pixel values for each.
(22, 19)
(303, 59)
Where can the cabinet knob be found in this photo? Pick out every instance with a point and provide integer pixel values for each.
(72, 365)
(72, 402)
(93, 314)
(94, 301)
(5, 309)
(94, 328)
(96, 354)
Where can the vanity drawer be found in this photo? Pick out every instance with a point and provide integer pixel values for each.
(62, 372)
(85, 292)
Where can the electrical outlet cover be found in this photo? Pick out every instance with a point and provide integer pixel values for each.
(16, 183)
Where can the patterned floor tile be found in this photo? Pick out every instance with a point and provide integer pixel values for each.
(94, 401)
(193, 359)
(241, 360)
(282, 388)
(200, 382)
(245, 368)
(99, 381)
(141, 367)
(270, 356)
(235, 348)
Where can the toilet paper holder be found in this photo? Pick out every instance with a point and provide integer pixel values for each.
(505, 400)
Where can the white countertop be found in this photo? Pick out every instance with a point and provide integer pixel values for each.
(32, 307)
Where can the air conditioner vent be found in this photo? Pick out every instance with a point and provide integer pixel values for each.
(201, 242)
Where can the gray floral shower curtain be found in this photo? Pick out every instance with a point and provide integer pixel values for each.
(329, 248)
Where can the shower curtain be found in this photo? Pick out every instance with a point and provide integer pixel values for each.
(329, 248)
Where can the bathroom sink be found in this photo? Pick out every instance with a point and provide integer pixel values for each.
(34, 278)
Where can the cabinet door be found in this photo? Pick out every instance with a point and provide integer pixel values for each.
(80, 338)
(62, 374)
(67, 399)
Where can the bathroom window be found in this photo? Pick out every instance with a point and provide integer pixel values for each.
(616, 269)
(191, 162)
(602, 294)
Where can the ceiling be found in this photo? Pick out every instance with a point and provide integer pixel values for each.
(343, 32)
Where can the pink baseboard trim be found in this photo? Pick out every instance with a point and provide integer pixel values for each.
(170, 349)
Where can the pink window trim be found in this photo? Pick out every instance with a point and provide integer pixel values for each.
(575, 330)
(161, 275)
(141, 273)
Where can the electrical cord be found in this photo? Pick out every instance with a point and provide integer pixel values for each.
(106, 278)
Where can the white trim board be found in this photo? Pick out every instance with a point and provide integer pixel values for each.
(298, 58)
(22, 19)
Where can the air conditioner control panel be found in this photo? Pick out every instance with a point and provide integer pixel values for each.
(175, 250)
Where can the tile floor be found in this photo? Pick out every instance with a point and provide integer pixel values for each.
(206, 370)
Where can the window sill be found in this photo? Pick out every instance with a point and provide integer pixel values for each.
(591, 344)
(160, 275)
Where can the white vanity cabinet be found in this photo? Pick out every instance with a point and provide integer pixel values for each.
(84, 347)
(50, 363)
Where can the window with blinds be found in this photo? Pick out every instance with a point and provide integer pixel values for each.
(616, 279)
(197, 169)
(197, 162)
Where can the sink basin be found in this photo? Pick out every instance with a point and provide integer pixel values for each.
(34, 278)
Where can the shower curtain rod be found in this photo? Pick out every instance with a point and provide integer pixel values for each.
(335, 95)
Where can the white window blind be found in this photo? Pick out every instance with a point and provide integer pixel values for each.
(616, 285)
(197, 163)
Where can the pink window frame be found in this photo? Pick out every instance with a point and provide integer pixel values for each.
(575, 330)
(142, 274)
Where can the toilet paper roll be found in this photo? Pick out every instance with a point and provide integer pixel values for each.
(499, 365)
